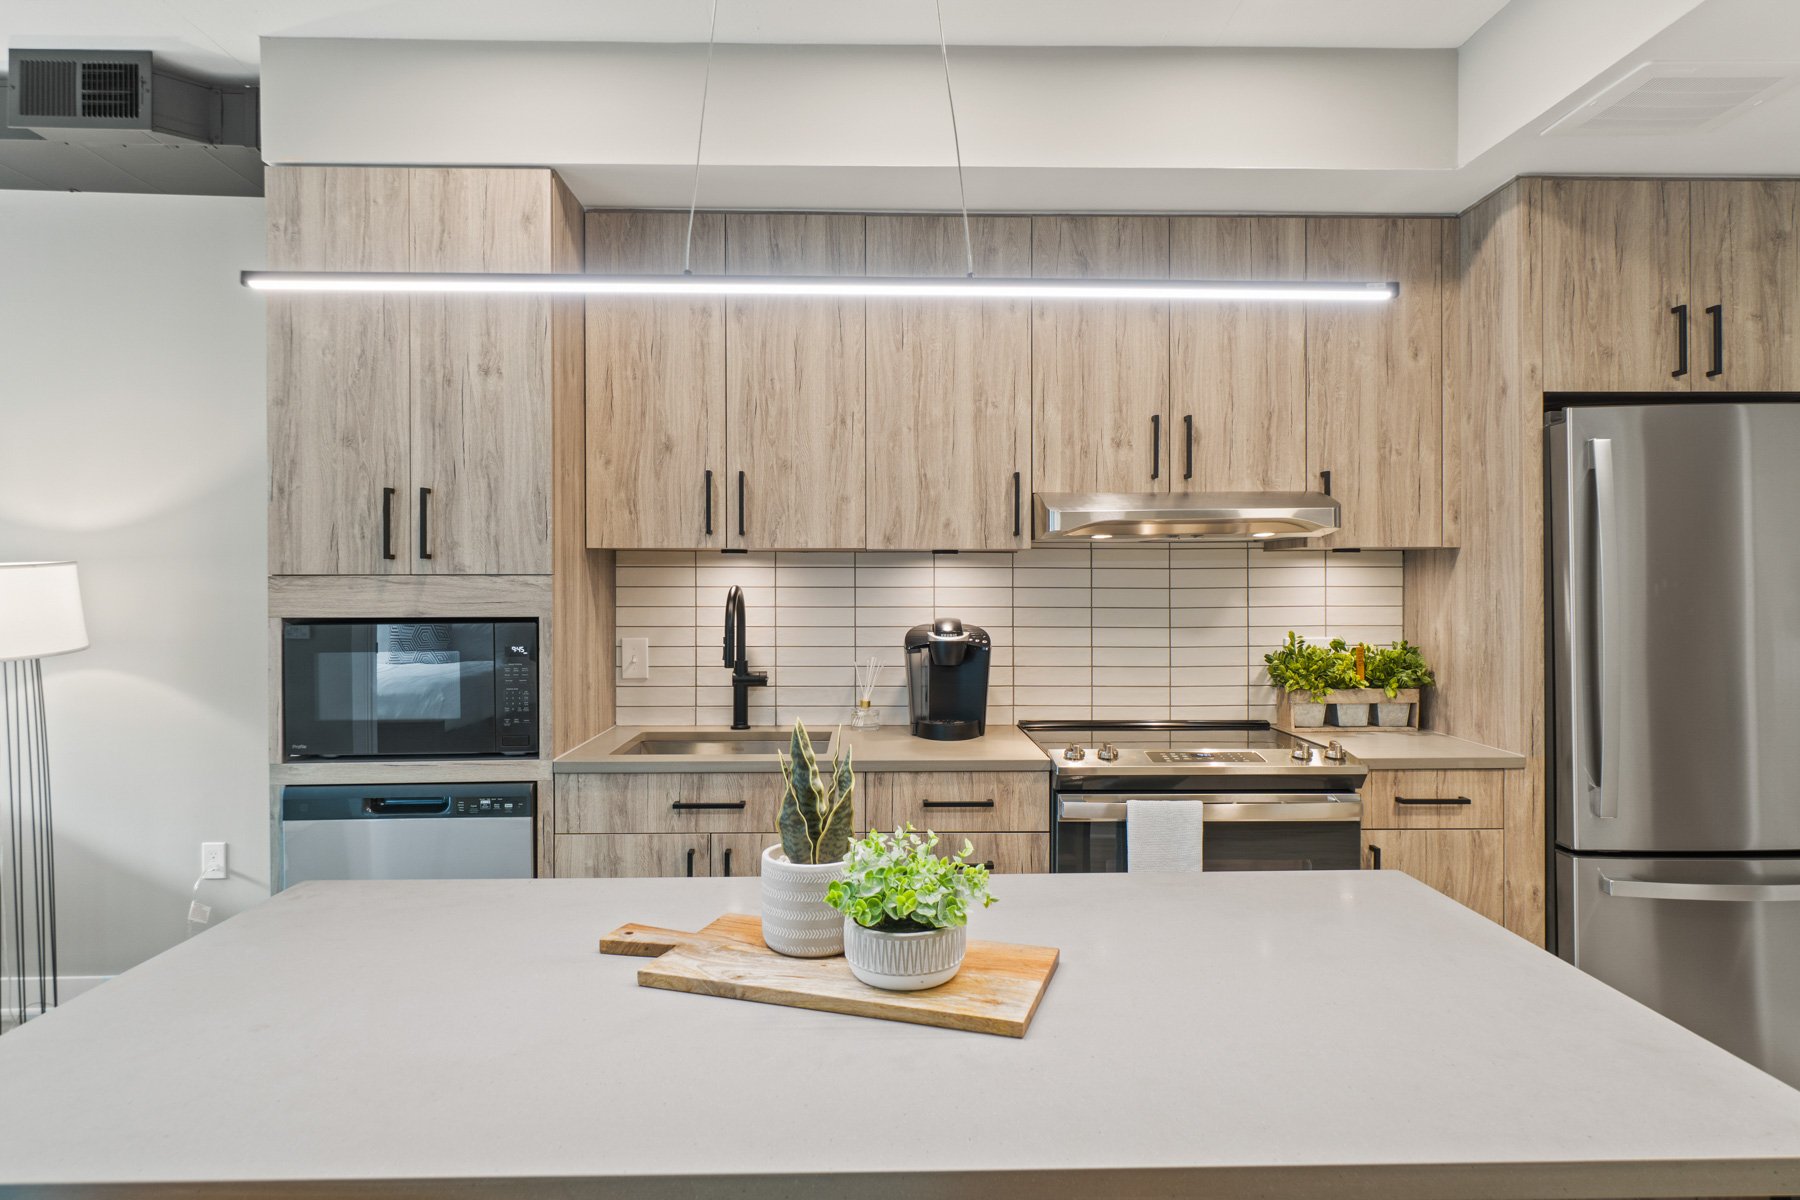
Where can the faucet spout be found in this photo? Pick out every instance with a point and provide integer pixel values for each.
(737, 657)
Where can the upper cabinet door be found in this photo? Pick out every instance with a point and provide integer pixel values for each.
(339, 495)
(655, 389)
(1375, 380)
(949, 391)
(482, 376)
(1100, 369)
(1237, 381)
(794, 388)
(1746, 294)
(1614, 265)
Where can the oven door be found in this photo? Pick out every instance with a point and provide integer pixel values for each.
(1260, 831)
(364, 689)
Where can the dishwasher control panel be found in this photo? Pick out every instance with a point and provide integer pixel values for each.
(408, 801)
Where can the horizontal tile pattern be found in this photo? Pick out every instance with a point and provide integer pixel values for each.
(1121, 632)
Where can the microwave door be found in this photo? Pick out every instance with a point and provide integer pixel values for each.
(434, 688)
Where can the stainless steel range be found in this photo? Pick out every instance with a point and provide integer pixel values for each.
(1273, 801)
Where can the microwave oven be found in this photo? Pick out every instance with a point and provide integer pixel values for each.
(354, 689)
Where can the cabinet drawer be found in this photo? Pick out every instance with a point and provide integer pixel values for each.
(735, 855)
(1433, 799)
(1467, 865)
(1003, 853)
(632, 855)
(969, 801)
(665, 803)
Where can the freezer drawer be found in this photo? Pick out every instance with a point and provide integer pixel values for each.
(1712, 943)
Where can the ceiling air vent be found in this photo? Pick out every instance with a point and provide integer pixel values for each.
(120, 97)
(1663, 98)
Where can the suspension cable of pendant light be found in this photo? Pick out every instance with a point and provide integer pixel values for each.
(712, 32)
(962, 192)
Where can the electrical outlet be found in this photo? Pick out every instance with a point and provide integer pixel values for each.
(634, 658)
(212, 860)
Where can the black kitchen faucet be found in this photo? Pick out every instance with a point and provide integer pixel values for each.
(737, 657)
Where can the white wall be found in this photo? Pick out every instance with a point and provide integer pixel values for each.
(132, 437)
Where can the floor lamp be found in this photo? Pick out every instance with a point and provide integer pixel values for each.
(40, 615)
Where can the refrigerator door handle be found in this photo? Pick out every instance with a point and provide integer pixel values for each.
(1651, 889)
(1602, 795)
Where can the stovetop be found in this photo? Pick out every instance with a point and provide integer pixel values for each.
(1167, 750)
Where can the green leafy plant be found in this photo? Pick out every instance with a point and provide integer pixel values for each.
(815, 808)
(1299, 666)
(1401, 665)
(897, 883)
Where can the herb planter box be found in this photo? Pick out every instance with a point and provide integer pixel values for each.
(1334, 717)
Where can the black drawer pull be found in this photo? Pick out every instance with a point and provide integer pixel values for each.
(989, 864)
(709, 504)
(1325, 482)
(707, 805)
(988, 803)
(1155, 446)
(1679, 312)
(728, 862)
(1432, 800)
(741, 504)
(1717, 312)
(690, 860)
(1018, 507)
(387, 522)
(1375, 857)
(1188, 468)
(424, 522)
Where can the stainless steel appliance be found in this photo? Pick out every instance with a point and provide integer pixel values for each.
(1183, 516)
(1675, 673)
(407, 831)
(409, 689)
(947, 680)
(1273, 802)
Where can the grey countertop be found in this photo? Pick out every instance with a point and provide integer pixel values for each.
(1254, 1034)
(890, 748)
(1394, 750)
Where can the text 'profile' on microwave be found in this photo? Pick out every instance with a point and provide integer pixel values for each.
(409, 689)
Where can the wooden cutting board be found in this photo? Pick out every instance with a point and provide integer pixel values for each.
(997, 990)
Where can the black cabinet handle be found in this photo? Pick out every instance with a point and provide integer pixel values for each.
(728, 862)
(1018, 507)
(989, 864)
(1325, 481)
(1375, 858)
(988, 803)
(1432, 800)
(1187, 471)
(707, 805)
(1156, 446)
(740, 504)
(424, 522)
(690, 860)
(1681, 340)
(1717, 312)
(709, 504)
(387, 522)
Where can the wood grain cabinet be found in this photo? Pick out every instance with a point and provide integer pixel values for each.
(412, 435)
(1100, 368)
(949, 391)
(1375, 380)
(1237, 372)
(660, 855)
(1433, 799)
(1744, 247)
(1467, 865)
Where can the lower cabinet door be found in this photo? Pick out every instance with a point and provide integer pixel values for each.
(1467, 865)
(633, 855)
(735, 854)
(1003, 853)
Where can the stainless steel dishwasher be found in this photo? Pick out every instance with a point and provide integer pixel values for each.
(407, 831)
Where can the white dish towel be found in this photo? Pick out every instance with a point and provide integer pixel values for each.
(1164, 837)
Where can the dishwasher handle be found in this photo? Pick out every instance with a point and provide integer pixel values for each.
(408, 806)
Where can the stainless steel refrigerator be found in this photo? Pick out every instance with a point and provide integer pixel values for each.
(1674, 628)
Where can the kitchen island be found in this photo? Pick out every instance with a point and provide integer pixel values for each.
(1261, 1034)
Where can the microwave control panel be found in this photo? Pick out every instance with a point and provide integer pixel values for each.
(515, 658)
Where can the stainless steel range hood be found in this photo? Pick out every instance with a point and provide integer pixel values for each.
(1178, 516)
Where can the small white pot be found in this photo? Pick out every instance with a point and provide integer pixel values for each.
(796, 921)
(1307, 714)
(1393, 716)
(906, 961)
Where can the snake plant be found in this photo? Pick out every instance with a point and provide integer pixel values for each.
(815, 808)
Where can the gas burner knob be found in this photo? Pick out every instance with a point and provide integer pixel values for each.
(1335, 752)
(1107, 752)
(1301, 753)
(1074, 753)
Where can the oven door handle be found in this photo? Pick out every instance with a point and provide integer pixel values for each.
(1225, 806)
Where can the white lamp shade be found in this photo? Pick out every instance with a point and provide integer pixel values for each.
(40, 610)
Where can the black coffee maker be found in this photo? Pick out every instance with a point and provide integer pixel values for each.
(947, 680)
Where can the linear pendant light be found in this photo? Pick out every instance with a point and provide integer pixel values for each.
(687, 284)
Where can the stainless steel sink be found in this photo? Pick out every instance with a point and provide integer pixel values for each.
(722, 742)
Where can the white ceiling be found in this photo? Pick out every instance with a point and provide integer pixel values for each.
(220, 38)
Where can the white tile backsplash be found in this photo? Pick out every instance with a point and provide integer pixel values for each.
(1106, 631)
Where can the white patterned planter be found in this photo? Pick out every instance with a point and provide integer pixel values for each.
(904, 962)
(796, 921)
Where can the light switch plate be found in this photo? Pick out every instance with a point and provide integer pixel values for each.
(634, 658)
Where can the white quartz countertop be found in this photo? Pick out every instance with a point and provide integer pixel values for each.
(1391, 750)
(1305, 1035)
(890, 748)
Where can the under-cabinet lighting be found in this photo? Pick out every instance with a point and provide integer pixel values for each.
(840, 287)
